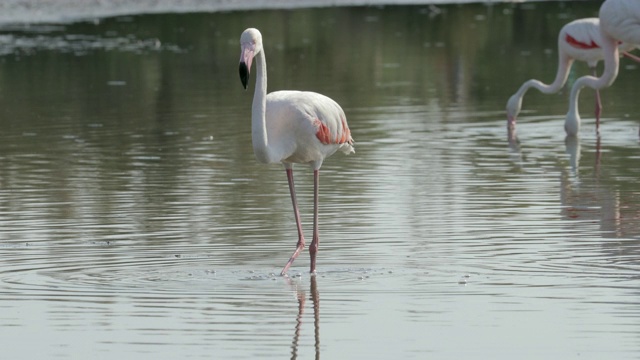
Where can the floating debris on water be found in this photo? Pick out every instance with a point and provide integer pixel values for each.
(29, 43)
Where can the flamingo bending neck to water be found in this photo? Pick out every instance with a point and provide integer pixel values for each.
(291, 127)
(577, 40)
(619, 22)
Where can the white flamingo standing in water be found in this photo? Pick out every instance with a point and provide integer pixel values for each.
(291, 127)
(619, 22)
(577, 40)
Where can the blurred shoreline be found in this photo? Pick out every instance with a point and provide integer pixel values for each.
(66, 11)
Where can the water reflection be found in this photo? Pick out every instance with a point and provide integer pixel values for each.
(572, 144)
(587, 199)
(302, 299)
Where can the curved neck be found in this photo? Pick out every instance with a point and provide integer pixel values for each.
(259, 109)
(611, 65)
(564, 65)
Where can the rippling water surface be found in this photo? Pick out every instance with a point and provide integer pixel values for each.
(136, 223)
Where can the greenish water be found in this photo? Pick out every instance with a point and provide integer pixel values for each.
(136, 223)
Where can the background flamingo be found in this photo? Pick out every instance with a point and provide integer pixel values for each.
(577, 40)
(619, 22)
(292, 127)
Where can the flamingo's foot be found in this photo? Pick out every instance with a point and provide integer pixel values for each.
(295, 254)
(313, 251)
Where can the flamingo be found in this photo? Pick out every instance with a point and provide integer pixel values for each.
(292, 127)
(577, 40)
(620, 21)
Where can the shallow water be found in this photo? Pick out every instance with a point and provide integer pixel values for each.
(135, 222)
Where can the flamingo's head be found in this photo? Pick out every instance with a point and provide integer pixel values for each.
(513, 109)
(572, 123)
(250, 45)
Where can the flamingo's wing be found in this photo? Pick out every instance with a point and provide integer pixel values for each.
(330, 122)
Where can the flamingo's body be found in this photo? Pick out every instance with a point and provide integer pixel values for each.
(292, 127)
(578, 40)
(619, 22)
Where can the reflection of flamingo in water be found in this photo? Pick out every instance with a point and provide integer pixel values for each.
(515, 152)
(302, 298)
(572, 145)
(618, 22)
(292, 127)
(577, 40)
(587, 198)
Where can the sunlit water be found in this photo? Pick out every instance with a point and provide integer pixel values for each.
(136, 223)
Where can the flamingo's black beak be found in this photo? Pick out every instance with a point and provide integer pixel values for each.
(246, 56)
(244, 74)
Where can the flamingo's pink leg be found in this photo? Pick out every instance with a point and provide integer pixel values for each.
(301, 243)
(598, 110)
(631, 56)
(313, 248)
